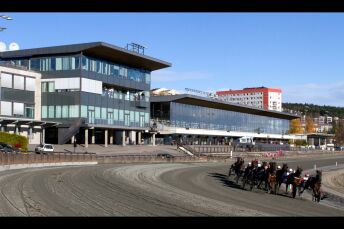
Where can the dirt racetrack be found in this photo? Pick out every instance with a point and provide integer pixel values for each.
(185, 189)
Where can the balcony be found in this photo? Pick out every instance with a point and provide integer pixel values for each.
(139, 103)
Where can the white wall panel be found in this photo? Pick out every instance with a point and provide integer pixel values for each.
(67, 83)
(18, 82)
(6, 80)
(92, 86)
(18, 108)
(30, 84)
(6, 108)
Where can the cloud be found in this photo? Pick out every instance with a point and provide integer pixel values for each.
(321, 94)
(171, 76)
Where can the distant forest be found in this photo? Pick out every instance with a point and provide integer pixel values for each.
(315, 110)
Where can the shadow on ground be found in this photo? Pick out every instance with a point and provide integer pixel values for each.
(232, 184)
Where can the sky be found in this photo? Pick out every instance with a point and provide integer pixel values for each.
(301, 53)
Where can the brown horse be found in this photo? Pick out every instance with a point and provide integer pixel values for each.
(272, 178)
(316, 192)
(314, 182)
(295, 180)
(237, 168)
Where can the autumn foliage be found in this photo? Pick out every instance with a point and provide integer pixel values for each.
(295, 126)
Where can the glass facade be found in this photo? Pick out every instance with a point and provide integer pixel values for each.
(191, 116)
(85, 63)
(98, 115)
(133, 114)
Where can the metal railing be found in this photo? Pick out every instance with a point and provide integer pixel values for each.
(12, 159)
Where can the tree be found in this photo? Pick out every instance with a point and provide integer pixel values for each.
(295, 126)
(309, 125)
(338, 129)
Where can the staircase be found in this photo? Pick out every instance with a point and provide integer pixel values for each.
(65, 134)
(186, 149)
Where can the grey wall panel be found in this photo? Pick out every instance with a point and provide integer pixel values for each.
(61, 74)
(14, 95)
(62, 98)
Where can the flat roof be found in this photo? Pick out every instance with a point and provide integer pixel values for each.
(94, 49)
(222, 105)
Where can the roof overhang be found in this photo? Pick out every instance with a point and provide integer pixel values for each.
(29, 122)
(219, 104)
(99, 50)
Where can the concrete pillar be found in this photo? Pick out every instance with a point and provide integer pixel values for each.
(123, 138)
(3, 128)
(106, 138)
(30, 134)
(93, 139)
(325, 141)
(43, 136)
(319, 141)
(153, 139)
(86, 138)
(73, 139)
(139, 138)
(111, 137)
(132, 137)
(17, 129)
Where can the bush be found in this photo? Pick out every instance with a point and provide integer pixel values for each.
(300, 142)
(15, 140)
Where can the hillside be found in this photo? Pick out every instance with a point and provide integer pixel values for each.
(315, 110)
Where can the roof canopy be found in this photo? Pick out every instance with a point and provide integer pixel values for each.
(222, 105)
(95, 49)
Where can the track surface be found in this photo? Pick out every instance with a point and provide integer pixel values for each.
(195, 189)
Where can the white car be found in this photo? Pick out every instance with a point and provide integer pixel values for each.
(44, 148)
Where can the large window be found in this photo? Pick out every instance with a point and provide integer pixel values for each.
(65, 111)
(190, 116)
(44, 111)
(55, 63)
(51, 111)
(48, 86)
(115, 70)
(29, 111)
(58, 111)
(73, 111)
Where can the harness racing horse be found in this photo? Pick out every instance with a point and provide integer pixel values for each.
(250, 174)
(295, 180)
(237, 168)
(314, 182)
(271, 178)
(280, 174)
(262, 174)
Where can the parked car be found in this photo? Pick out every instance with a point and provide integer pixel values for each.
(167, 155)
(44, 148)
(6, 148)
(339, 148)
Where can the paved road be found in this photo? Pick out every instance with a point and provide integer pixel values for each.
(195, 189)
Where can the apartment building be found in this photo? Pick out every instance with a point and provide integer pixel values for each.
(260, 97)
